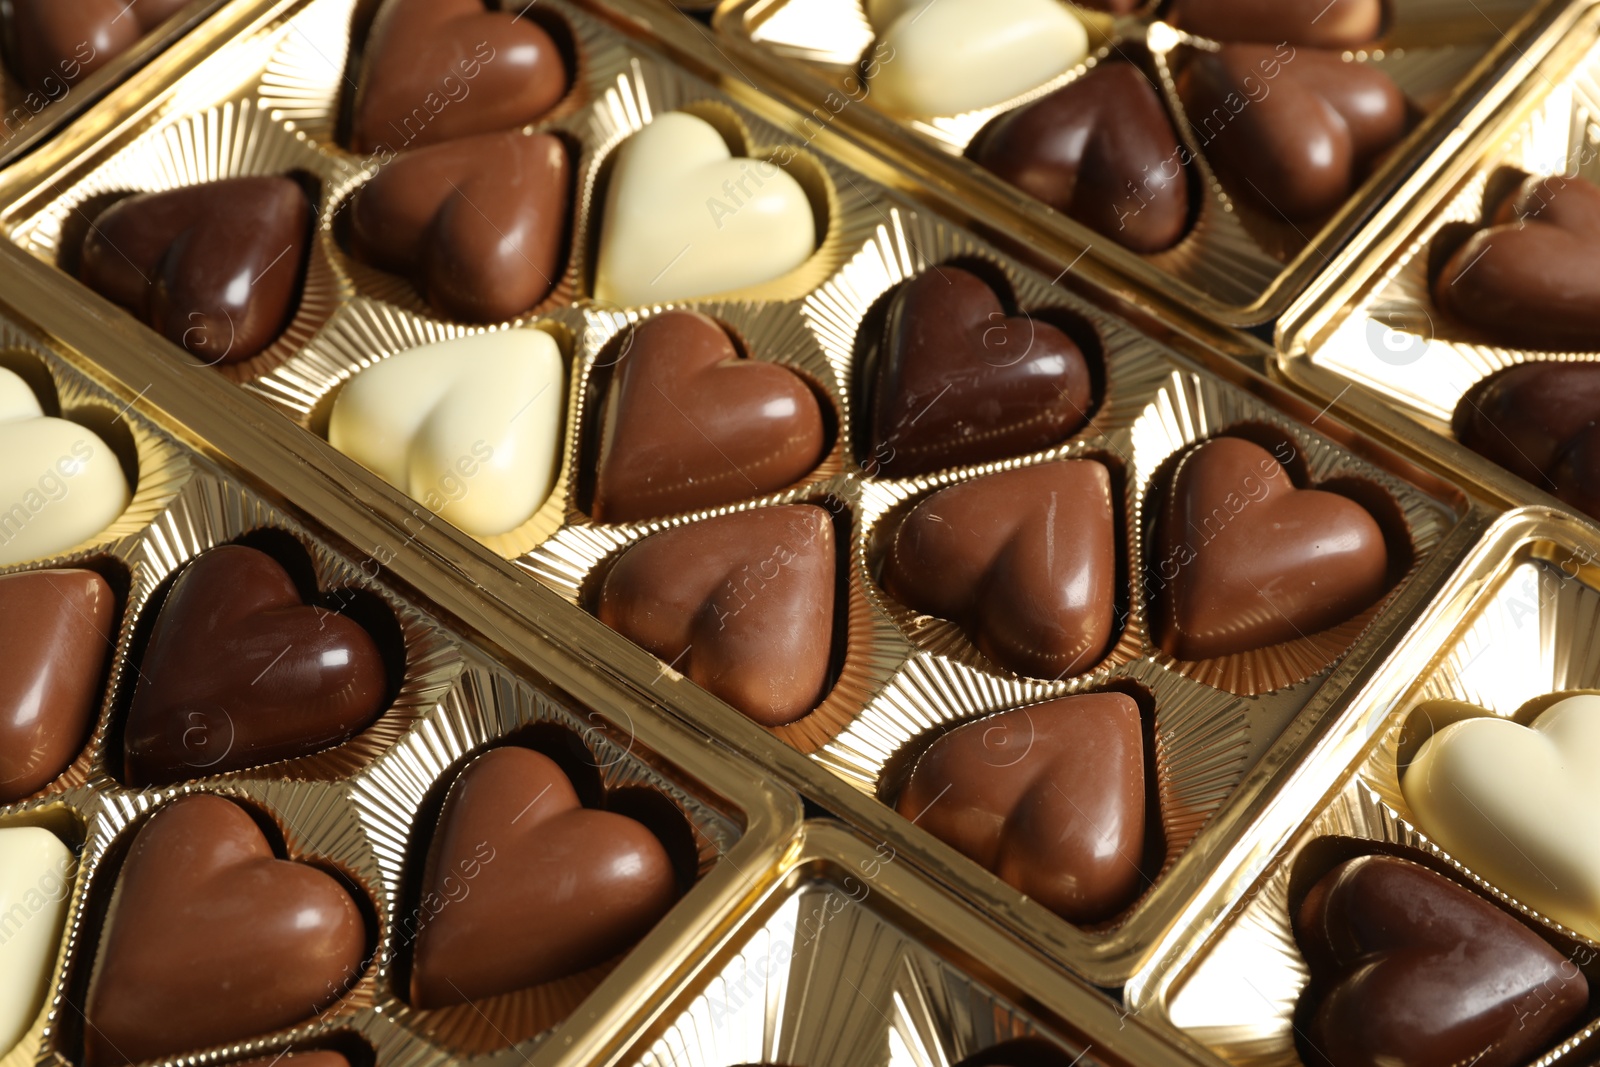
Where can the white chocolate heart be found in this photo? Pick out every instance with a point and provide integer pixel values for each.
(1520, 806)
(35, 884)
(59, 482)
(685, 219)
(470, 428)
(948, 57)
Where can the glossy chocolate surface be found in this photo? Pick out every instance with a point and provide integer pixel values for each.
(1246, 560)
(480, 224)
(957, 381)
(1293, 129)
(1531, 278)
(56, 43)
(743, 604)
(1102, 150)
(436, 70)
(240, 672)
(57, 631)
(1538, 420)
(1051, 798)
(1409, 969)
(687, 423)
(1025, 561)
(215, 267)
(211, 938)
(1317, 23)
(525, 885)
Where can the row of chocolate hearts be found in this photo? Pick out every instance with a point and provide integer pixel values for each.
(481, 224)
(473, 427)
(209, 937)
(1024, 560)
(239, 671)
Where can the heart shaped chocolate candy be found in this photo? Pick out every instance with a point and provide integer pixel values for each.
(958, 381)
(532, 885)
(480, 223)
(688, 424)
(1317, 23)
(1024, 560)
(1529, 280)
(210, 939)
(1102, 150)
(57, 630)
(1295, 130)
(742, 604)
(1540, 421)
(215, 267)
(241, 672)
(1409, 969)
(1050, 798)
(436, 70)
(55, 44)
(1246, 560)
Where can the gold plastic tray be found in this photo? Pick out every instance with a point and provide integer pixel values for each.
(1367, 335)
(1239, 265)
(1516, 622)
(1222, 743)
(356, 806)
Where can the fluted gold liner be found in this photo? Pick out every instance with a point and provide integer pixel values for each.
(1381, 334)
(1515, 625)
(1236, 253)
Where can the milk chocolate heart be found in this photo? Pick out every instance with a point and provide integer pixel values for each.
(1540, 421)
(436, 70)
(1519, 805)
(240, 672)
(479, 223)
(1102, 150)
(742, 604)
(210, 938)
(1294, 129)
(688, 424)
(53, 45)
(1050, 798)
(1409, 969)
(1024, 560)
(60, 484)
(534, 885)
(959, 382)
(1529, 279)
(57, 630)
(215, 267)
(1246, 560)
(1318, 23)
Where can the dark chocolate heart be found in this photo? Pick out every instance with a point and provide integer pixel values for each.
(479, 223)
(1317, 23)
(211, 939)
(1531, 279)
(436, 70)
(57, 629)
(1050, 798)
(742, 604)
(240, 672)
(1295, 130)
(1540, 421)
(1409, 969)
(1247, 560)
(530, 885)
(55, 44)
(688, 424)
(1024, 560)
(960, 382)
(1102, 150)
(215, 267)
